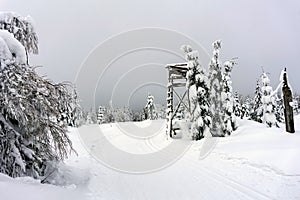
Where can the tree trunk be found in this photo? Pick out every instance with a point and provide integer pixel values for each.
(288, 110)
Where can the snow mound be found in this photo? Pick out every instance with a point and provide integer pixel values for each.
(31, 189)
(11, 48)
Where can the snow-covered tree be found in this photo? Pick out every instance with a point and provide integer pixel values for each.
(297, 98)
(296, 104)
(91, 116)
(216, 88)
(244, 111)
(279, 110)
(123, 114)
(83, 116)
(268, 102)
(257, 110)
(237, 105)
(230, 123)
(160, 111)
(32, 131)
(137, 116)
(72, 112)
(196, 77)
(128, 114)
(150, 108)
(246, 106)
(193, 65)
(114, 114)
(23, 30)
(100, 115)
(109, 115)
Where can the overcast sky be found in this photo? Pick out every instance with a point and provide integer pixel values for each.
(260, 33)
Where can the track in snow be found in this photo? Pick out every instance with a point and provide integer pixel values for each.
(187, 178)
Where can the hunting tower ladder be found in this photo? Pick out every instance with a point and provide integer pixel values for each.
(176, 79)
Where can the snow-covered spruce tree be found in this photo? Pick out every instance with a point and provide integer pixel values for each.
(279, 110)
(91, 117)
(100, 115)
(83, 116)
(197, 78)
(145, 114)
(245, 108)
(23, 30)
(109, 115)
(296, 104)
(128, 114)
(268, 102)
(248, 106)
(296, 107)
(237, 105)
(230, 123)
(257, 111)
(123, 114)
(216, 88)
(297, 98)
(72, 112)
(137, 116)
(32, 133)
(149, 108)
(244, 111)
(160, 111)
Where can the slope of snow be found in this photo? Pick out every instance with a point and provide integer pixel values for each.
(254, 163)
(271, 148)
(28, 188)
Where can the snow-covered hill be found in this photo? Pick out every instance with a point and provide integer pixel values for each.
(254, 163)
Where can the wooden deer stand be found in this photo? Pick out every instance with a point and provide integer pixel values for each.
(176, 79)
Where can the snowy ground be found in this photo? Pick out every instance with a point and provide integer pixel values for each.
(254, 163)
